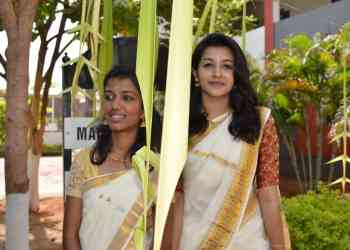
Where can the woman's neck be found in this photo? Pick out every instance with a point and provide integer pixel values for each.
(215, 106)
(122, 142)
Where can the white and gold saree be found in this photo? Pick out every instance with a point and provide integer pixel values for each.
(112, 206)
(221, 210)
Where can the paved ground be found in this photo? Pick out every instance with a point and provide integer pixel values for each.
(50, 177)
(46, 226)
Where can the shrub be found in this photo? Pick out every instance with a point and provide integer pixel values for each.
(52, 150)
(48, 150)
(318, 220)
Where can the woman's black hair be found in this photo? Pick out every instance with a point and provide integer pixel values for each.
(245, 124)
(103, 144)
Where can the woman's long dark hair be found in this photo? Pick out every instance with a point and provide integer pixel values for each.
(103, 144)
(245, 124)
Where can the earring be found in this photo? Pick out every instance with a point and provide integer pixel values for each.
(196, 83)
(142, 124)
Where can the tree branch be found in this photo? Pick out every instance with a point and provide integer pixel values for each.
(3, 76)
(3, 62)
(55, 36)
(66, 46)
(55, 54)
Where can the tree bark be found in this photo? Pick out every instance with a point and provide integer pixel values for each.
(17, 18)
(39, 113)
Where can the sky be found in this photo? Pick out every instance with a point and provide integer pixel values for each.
(72, 50)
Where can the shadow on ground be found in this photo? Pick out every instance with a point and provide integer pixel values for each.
(45, 227)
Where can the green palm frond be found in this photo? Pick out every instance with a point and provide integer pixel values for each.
(176, 111)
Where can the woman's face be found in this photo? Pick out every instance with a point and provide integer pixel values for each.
(215, 72)
(123, 105)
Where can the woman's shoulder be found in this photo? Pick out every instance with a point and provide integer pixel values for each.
(264, 113)
(82, 154)
(263, 109)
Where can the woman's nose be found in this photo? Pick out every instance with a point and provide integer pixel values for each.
(217, 71)
(116, 103)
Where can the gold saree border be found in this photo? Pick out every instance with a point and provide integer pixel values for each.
(124, 238)
(227, 219)
(128, 225)
(195, 139)
(101, 180)
(216, 157)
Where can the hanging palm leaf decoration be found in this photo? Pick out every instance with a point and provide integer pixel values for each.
(244, 25)
(146, 61)
(202, 21)
(105, 56)
(176, 111)
(100, 44)
(213, 16)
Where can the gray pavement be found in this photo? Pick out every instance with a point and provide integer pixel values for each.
(50, 177)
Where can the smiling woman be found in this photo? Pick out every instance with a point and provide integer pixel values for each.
(99, 213)
(230, 180)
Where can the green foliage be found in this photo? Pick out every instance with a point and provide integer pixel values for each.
(318, 220)
(228, 16)
(52, 150)
(307, 72)
(48, 150)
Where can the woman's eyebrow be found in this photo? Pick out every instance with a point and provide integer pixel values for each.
(211, 59)
(129, 92)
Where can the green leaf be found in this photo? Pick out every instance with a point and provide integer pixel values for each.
(281, 100)
(105, 57)
(146, 59)
(176, 111)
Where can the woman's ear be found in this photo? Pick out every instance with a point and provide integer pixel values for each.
(195, 75)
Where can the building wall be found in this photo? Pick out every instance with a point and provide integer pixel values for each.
(297, 7)
(327, 20)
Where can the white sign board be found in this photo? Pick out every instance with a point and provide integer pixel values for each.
(77, 133)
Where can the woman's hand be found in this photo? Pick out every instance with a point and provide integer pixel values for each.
(270, 203)
(71, 225)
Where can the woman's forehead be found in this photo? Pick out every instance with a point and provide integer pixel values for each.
(217, 52)
(121, 84)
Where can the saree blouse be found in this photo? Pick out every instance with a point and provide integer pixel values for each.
(268, 161)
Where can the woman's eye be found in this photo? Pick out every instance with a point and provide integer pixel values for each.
(108, 97)
(128, 98)
(207, 65)
(228, 66)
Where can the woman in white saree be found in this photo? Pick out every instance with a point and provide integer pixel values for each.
(104, 197)
(230, 181)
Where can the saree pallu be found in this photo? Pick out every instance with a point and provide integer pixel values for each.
(112, 207)
(221, 210)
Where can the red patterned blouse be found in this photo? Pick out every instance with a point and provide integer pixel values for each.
(268, 162)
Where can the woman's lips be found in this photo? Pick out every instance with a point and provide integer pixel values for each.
(116, 117)
(218, 83)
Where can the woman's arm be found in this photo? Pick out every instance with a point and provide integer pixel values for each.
(71, 224)
(267, 188)
(173, 228)
(270, 204)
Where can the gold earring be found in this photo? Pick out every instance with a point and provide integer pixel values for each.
(142, 124)
(196, 83)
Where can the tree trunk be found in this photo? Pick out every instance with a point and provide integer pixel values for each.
(293, 157)
(33, 167)
(308, 147)
(39, 113)
(17, 18)
(319, 143)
